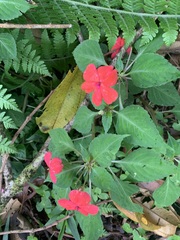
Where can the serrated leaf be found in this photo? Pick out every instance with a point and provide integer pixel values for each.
(7, 46)
(83, 120)
(165, 95)
(60, 143)
(88, 52)
(151, 70)
(104, 148)
(91, 225)
(136, 122)
(62, 105)
(11, 9)
(147, 165)
(166, 194)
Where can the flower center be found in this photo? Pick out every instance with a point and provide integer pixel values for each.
(98, 84)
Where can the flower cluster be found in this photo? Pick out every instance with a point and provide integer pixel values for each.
(78, 200)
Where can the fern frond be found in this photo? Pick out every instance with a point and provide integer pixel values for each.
(107, 208)
(46, 45)
(6, 101)
(7, 121)
(150, 29)
(6, 146)
(173, 7)
(133, 5)
(27, 60)
(170, 28)
(127, 24)
(155, 6)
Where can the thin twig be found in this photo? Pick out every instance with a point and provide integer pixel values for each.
(34, 26)
(6, 156)
(37, 229)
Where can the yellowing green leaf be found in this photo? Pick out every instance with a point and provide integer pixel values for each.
(63, 103)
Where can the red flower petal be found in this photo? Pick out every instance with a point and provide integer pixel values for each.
(67, 204)
(47, 158)
(97, 97)
(88, 87)
(117, 46)
(52, 176)
(89, 209)
(79, 198)
(56, 165)
(109, 95)
(108, 75)
(90, 74)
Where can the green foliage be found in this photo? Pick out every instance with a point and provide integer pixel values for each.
(7, 46)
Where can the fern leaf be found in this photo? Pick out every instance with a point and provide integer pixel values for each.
(6, 101)
(133, 5)
(7, 121)
(173, 7)
(107, 23)
(6, 146)
(127, 24)
(170, 28)
(150, 29)
(59, 43)
(155, 6)
(46, 45)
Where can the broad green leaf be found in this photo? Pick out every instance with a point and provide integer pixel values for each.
(66, 177)
(104, 148)
(151, 70)
(165, 95)
(121, 193)
(7, 46)
(107, 121)
(176, 111)
(60, 143)
(11, 9)
(134, 120)
(91, 226)
(101, 178)
(166, 194)
(174, 144)
(83, 120)
(147, 165)
(62, 105)
(73, 227)
(88, 52)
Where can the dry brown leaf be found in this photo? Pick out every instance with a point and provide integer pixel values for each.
(11, 207)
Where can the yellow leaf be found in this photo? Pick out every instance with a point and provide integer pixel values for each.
(62, 105)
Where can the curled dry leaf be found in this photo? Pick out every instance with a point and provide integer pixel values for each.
(161, 221)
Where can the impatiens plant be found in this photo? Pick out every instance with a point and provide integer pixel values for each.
(109, 132)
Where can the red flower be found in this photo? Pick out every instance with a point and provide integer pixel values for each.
(99, 81)
(79, 201)
(55, 166)
(117, 47)
(120, 42)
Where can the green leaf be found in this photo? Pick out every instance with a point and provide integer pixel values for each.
(83, 120)
(174, 144)
(107, 121)
(166, 194)
(104, 148)
(66, 177)
(134, 120)
(73, 227)
(101, 178)
(165, 95)
(61, 143)
(91, 225)
(88, 52)
(7, 46)
(121, 193)
(147, 165)
(151, 70)
(11, 9)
